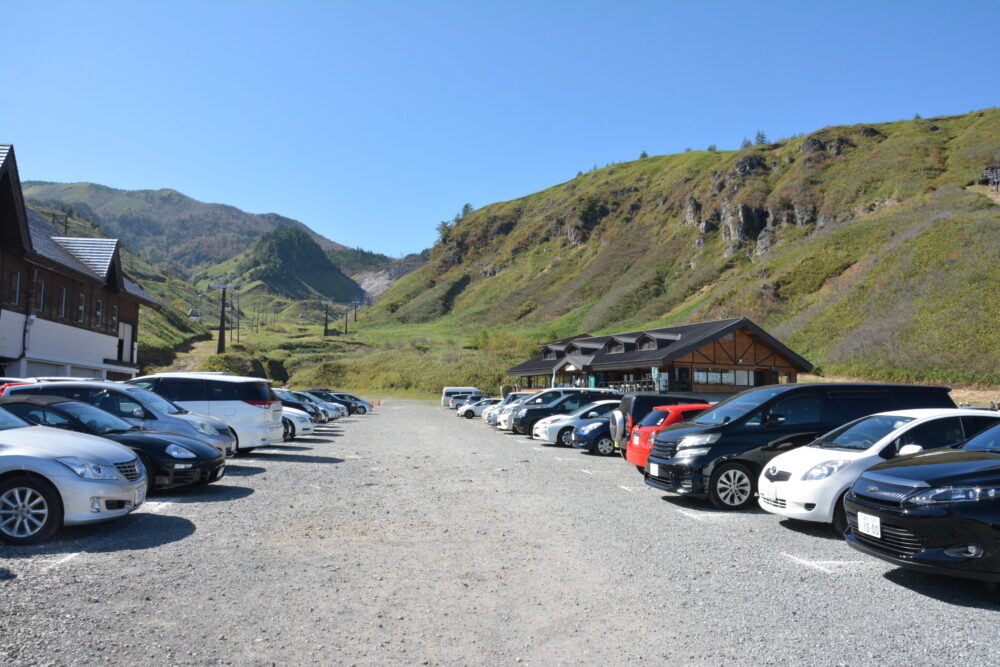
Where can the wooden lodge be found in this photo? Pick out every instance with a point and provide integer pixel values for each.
(724, 356)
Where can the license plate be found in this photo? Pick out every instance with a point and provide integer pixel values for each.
(869, 525)
(140, 496)
(654, 469)
(768, 491)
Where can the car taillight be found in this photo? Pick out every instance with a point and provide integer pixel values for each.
(260, 404)
(3, 388)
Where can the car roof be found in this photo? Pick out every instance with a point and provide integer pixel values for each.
(205, 375)
(41, 400)
(924, 413)
(74, 383)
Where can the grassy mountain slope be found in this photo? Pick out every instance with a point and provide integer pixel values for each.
(864, 247)
(170, 229)
(286, 262)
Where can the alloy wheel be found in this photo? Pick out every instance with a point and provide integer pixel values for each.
(605, 446)
(733, 487)
(23, 512)
(566, 437)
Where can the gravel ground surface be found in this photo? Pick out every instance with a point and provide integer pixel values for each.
(409, 536)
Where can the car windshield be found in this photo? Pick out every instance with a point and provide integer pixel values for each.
(600, 409)
(10, 420)
(285, 395)
(735, 407)
(154, 401)
(863, 433)
(94, 418)
(987, 441)
(304, 396)
(654, 418)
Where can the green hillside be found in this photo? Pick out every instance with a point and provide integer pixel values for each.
(288, 263)
(867, 248)
(173, 231)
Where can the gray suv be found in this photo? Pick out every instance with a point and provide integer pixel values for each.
(137, 406)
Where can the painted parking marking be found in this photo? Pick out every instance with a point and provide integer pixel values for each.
(625, 488)
(827, 566)
(155, 507)
(64, 559)
(540, 449)
(586, 472)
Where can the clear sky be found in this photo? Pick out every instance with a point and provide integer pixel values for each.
(371, 121)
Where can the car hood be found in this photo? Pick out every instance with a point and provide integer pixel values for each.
(801, 459)
(155, 442)
(942, 467)
(50, 443)
(295, 411)
(196, 418)
(675, 432)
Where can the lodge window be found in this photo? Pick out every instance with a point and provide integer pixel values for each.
(114, 318)
(724, 377)
(616, 348)
(81, 306)
(62, 302)
(99, 313)
(40, 300)
(647, 345)
(15, 287)
(548, 355)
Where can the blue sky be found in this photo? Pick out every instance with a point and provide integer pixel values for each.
(371, 121)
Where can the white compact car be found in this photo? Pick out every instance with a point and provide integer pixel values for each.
(809, 483)
(476, 409)
(245, 404)
(491, 413)
(559, 428)
(296, 422)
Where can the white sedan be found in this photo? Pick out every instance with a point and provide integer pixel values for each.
(559, 428)
(296, 422)
(476, 409)
(809, 483)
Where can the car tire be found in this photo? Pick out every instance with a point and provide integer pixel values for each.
(840, 516)
(361, 410)
(642, 470)
(291, 430)
(147, 463)
(469, 414)
(604, 446)
(565, 437)
(285, 437)
(731, 487)
(31, 510)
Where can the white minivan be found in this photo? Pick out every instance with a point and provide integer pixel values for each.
(246, 404)
(448, 392)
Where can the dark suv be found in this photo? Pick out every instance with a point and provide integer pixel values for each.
(524, 418)
(723, 451)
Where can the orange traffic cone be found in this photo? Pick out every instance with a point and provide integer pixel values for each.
(380, 401)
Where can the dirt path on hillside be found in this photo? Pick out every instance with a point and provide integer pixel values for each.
(189, 360)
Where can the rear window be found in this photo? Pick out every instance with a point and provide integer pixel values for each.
(922, 398)
(239, 391)
(654, 418)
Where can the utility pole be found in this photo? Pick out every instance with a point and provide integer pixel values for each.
(326, 317)
(237, 317)
(346, 314)
(221, 348)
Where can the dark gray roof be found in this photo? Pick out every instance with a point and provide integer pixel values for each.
(43, 242)
(136, 291)
(4, 152)
(95, 253)
(534, 366)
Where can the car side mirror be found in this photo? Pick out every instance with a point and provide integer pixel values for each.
(910, 449)
(774, 420)
(591, 415)
(138, 413)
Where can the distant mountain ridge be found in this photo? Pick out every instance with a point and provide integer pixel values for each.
(170, 229)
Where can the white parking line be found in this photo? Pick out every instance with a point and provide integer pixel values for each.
(822, 565)
(557, 458)
(62, 560)
(625, 488)
(586, 472)
(155, 507)
(690, 515)
(541, 449)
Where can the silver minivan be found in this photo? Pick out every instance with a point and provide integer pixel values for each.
(137, 406)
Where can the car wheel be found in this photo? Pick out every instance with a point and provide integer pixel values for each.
(30, 510)
(604, 446)
(642, 470)
(361, 410)
(150, 474)
(291, 430)
(731, 487)
(565, 437)
(469, 414)
(285, 437)
(840, 516)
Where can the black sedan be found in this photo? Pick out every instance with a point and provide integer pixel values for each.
(170, 459)
(937, 511)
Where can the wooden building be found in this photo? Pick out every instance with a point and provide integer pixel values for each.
(66, 306)
(724, 356)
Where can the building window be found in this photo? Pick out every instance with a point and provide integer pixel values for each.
(114, 318)
(648, 345)
(62, 302)
(81, 315)
(15, 287)
(99, 313)
(723, 377)
(548, 354)
(616, 348)
(40, 301)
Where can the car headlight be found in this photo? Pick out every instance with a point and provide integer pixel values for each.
(179, 452)
(522, 412)
(205, 427)
(691, 452)
(89, 469)
(954, 494)
(590, 427)
(689, 441)
(825, 469)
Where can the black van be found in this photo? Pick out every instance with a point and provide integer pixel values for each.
(722, 452)
(525, 418)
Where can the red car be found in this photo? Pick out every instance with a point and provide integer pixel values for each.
(640, 440)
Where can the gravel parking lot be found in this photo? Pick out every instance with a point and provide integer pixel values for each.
(411, 536)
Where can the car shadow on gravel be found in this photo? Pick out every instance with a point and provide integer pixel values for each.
(951, 590)
(132, 532)
(298, 458)
(243, 471)
(812, 529)
(706, 506)
(210, 493)
(317, 441)
(292, 448)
